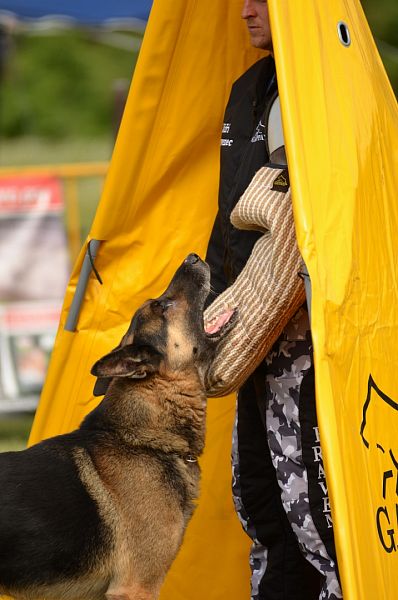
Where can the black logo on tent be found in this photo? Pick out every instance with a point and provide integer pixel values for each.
(380, 407)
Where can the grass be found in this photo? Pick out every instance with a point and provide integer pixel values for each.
(32, 150)
(14, 431)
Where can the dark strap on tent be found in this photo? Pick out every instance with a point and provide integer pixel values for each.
(92, 262)
(87, 268)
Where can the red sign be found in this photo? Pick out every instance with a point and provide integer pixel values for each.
(28, 316)
(35, 194)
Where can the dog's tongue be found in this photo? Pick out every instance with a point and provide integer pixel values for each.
(215, 324)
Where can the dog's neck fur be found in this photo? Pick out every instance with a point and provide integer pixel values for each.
(164, 411)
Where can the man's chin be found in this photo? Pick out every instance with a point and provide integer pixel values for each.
(260, 43)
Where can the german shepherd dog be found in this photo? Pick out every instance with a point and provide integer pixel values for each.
(101, 512)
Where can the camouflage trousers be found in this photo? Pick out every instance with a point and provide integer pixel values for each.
(287, 366)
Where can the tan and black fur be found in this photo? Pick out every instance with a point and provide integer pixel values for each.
(101, 512)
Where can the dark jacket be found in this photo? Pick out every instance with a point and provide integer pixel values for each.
(243, 152)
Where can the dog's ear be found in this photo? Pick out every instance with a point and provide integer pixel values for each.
(133, 361)
(102, 383)
(101, 386)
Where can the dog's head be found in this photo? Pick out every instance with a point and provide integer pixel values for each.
(167, 334)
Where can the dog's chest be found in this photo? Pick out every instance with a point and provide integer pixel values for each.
(135, 490)
(145, 500)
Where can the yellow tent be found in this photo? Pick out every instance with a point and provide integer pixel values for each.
(341, 126)
(341, 122)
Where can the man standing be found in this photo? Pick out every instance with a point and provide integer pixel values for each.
(274, 461)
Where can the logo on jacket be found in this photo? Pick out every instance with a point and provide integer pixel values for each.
(226, 129)
(379, 408)
(259, 134)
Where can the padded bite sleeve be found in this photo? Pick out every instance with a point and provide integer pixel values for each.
(268, 291)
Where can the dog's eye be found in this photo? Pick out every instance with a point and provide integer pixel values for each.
(160, 306)
(156, 307)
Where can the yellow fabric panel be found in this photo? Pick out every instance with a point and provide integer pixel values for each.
(158, 204)
(341, 127)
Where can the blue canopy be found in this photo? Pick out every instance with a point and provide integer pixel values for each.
(86, 12)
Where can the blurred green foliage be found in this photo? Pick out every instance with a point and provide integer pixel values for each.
(382, 16)
(61, 84)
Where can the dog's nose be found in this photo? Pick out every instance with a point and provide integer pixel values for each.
(191, 259)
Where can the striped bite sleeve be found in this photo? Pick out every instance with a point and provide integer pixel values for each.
(267, 292)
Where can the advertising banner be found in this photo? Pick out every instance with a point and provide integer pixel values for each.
(27, 333)
(33, 275)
